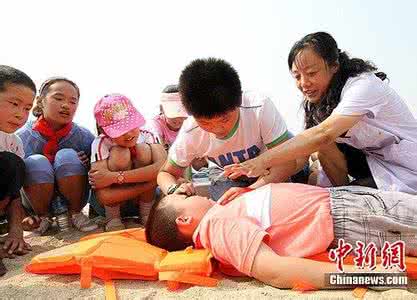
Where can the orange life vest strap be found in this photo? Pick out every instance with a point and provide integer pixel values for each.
(86, 270)
(110, 290)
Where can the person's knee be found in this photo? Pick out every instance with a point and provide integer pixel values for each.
(38, 170)
(119, 159)
(66, 155)
(67, 163)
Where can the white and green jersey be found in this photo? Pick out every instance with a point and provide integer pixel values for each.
(260, 126)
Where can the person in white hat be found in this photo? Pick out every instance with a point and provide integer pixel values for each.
(166, 125)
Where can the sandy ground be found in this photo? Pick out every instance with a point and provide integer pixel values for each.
(17, 284)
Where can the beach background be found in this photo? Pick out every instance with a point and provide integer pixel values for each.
(17, 284)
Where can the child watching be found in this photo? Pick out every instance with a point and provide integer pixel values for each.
(226, 126)
(266, 233)
(17, 92)
(57, 155)
(167, 124)
(121, 168)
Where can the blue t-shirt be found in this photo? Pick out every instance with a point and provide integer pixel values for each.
(79, 139)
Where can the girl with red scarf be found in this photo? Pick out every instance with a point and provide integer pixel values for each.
(56, 154)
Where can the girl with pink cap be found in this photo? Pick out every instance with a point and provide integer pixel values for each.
(121, 168)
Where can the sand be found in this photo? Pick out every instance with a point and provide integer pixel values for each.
(17, 284)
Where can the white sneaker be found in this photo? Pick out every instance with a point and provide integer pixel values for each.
(83, 223)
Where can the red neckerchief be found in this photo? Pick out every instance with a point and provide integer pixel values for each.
(53, 137)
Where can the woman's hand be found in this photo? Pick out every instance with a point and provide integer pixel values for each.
(101, 178)
(251, 168)
(232, 194)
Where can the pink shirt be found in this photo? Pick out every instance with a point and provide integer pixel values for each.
(293, 219)
(159, 128)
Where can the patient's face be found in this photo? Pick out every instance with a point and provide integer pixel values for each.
(193, 206)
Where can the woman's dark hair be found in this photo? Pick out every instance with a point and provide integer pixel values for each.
(10, 75)
(210, 88)
(326, 47)
(161, 228)
(44, 89)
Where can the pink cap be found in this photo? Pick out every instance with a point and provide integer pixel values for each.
(172, 106)
(116, 115)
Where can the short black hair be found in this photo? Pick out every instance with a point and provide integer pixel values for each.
(10, 75)
(210, 88)
(170, 89)
(12, 170)
(161, 229)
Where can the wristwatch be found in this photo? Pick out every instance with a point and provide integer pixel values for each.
(121, 177)
(172, 188)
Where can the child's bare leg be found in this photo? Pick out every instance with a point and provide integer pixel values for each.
(71, 178)
(334, 164)
(145, 202)
(40, 195)
(39, 183)
(146, 199)
(73, 189)
(119, 160)
(71, 182)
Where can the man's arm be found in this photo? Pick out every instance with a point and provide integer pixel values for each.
(285, 272)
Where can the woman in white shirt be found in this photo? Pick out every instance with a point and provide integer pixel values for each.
(355, 123)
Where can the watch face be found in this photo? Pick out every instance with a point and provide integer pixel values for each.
(120, 178)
